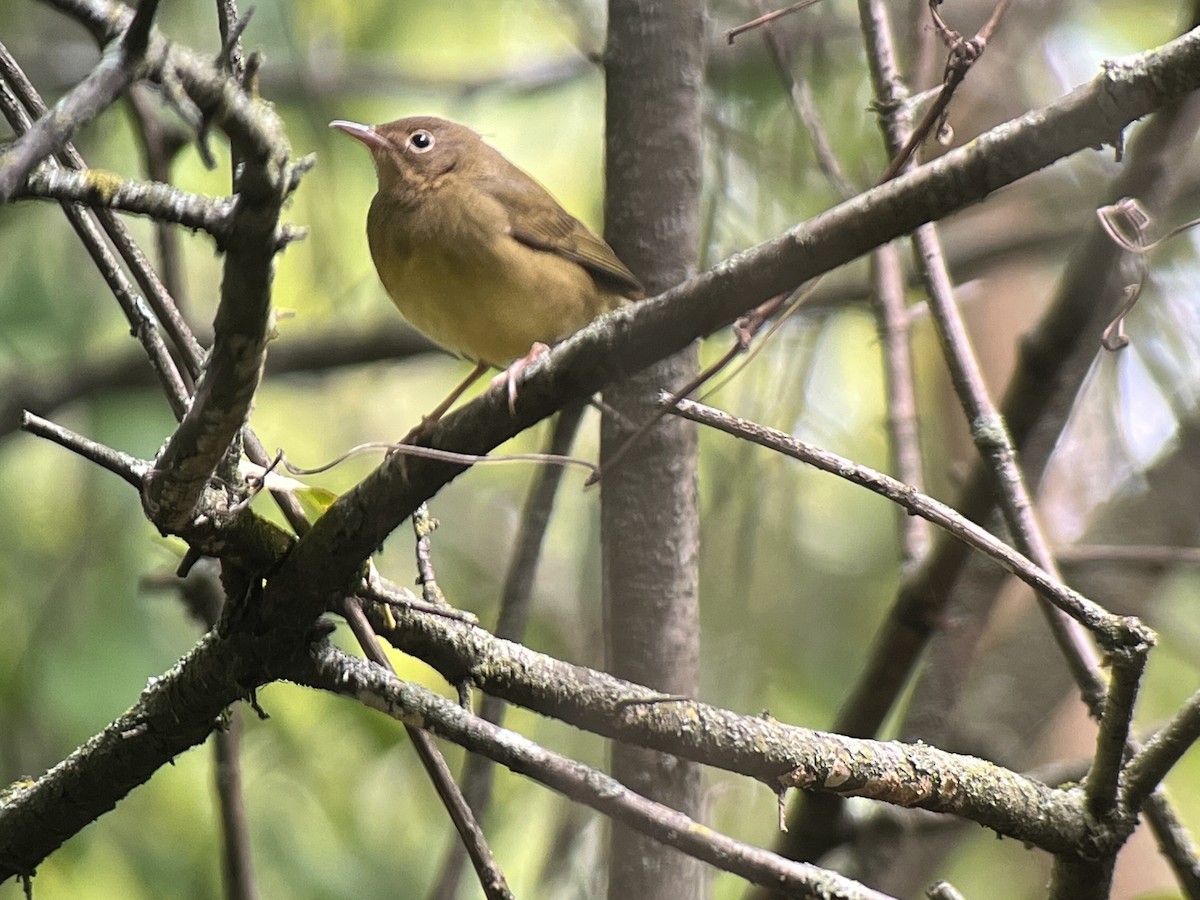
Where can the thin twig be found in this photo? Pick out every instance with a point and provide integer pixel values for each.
(745, 329)
(988, 429)
(1111, 630)
(424, 525)
(732, 33)
(944, 890)
(129, 468)
(553, 460)
(1150, 765)
(237, 862)
(1174, 842)
(490, 877)
(158, 297)
(963, 54)
(161, 141)
(1112, 740)
(142, 324)
(515, 605)
(203, 596)
(888, 294)
(231, 26)
(1128, 554)
(995, 445)
(804, 106)
(893, 322)
(161, 202)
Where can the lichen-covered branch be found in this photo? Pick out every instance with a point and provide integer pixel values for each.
(175, 712)
(330, 669)
(122, 64)
(782, 756)
(163, 202)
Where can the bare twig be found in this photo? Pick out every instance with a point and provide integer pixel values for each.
(745, 329)
(159, 299)
(129, 468)
(142, 324)
(962, 56)
(237, 862)
(995, 445)
(943, 890)
(888, 294)
(162, 202)
(515, 605)
(893, 322)
(231, 27)
(1127, 554)
(1175, 842)
(203, 596)
(1110, 630)
(803, 104)
(1112, 741)
(161, 142)
(424, 526)
(1150, 765)
(490, 877)
(732, 33)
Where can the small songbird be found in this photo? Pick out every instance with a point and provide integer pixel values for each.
(475, 253)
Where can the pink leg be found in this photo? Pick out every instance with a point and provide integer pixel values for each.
(509, 376)
(427, 422)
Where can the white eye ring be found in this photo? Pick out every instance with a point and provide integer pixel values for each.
(421, 141)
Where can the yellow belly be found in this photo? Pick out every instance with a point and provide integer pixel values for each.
(490, 301)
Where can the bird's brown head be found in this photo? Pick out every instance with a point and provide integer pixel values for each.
(413, 155)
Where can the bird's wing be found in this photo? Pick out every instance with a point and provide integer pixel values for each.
(557, 231)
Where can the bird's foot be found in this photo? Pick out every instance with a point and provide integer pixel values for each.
(508, 377)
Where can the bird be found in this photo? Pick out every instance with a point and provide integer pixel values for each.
(476, 254)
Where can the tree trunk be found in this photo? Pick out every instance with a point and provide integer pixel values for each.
(650, 525)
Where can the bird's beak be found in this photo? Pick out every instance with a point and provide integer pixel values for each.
(365, 133)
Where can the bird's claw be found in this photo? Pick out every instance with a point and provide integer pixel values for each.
(509, 376)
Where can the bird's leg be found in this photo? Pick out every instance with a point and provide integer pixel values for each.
(430, 420)
(440, 410)
(509, 376)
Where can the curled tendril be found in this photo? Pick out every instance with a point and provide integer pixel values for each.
(1127, 222)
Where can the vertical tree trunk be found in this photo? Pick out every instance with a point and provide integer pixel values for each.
(650, 525)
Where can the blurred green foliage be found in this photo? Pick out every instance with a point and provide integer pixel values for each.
(798, 568)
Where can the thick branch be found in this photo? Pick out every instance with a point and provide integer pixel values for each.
(332, 670)
(779, 755)
(176, 711)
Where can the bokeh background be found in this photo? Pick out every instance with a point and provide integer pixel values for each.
(797, 568)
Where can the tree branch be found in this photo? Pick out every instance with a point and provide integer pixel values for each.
(162, 202)
(330, 669)
(121, 66)
(631, 338)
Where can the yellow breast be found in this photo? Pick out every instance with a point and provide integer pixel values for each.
(474, 289)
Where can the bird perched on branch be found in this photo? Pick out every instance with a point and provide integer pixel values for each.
(475, 253)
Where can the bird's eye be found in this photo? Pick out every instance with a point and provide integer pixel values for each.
(421, 141)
